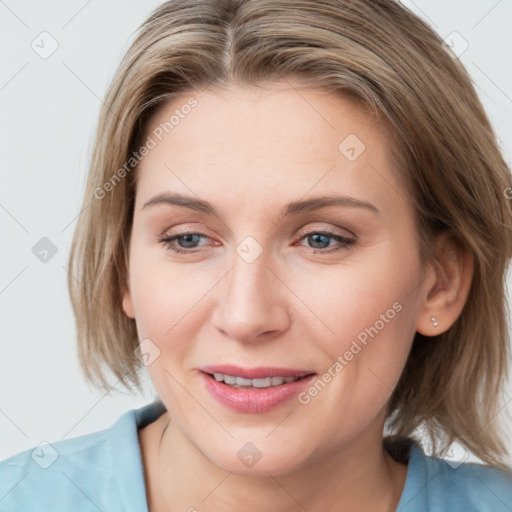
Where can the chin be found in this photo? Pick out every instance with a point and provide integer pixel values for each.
(254, 459)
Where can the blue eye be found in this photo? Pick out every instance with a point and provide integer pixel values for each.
(189, 238)
(320, 240)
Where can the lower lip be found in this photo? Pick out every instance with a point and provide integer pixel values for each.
(254, 400)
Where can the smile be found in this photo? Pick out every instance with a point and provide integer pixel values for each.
(240, 382)
(256, 395)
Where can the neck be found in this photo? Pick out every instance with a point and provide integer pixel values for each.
(362, 476)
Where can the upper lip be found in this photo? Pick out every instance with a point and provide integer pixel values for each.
(260, 372)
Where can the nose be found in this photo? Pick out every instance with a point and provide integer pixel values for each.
(253, 303)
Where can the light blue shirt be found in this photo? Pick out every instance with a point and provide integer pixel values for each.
(103, 472)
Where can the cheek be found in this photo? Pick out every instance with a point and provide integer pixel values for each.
(367, 312)
(168, 296)
(154, 285)
(373, 324)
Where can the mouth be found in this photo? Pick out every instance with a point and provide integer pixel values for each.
(254, 390)
(237, 382)
(260, 377)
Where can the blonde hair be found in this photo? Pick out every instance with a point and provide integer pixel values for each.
(397, 66)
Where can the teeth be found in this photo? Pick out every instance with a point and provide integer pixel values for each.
(256, 383)
(229, 380)
(262, 383)
(239, 381)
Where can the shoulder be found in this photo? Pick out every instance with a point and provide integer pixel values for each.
(435, 484)
(36, 477)
(102, 470)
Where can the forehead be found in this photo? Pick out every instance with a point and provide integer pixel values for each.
(261, 142)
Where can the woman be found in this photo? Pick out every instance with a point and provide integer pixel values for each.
(299, 225)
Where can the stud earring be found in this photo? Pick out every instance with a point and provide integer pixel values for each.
(434, 321)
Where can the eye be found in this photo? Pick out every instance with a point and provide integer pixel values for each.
(320, 241)
(189, 239)
(184, 243)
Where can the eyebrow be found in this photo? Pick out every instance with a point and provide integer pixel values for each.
(293, 208)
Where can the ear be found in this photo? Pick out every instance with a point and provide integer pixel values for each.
(446, 287)
(126, 295)
(127, 302)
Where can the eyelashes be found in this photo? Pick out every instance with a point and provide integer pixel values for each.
(170, 243)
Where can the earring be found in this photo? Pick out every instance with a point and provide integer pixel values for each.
(434, 321)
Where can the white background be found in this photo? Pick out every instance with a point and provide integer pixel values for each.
(49, 110)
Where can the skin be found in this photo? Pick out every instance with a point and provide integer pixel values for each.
(250, 151)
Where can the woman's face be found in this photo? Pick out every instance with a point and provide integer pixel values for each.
(274, 275)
